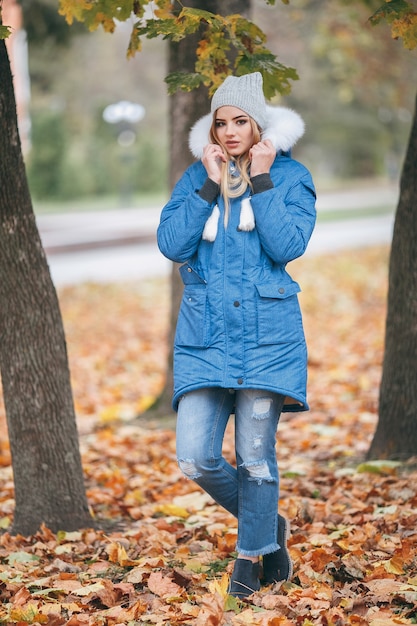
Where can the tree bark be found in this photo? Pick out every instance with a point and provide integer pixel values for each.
(396, 433)
(48, 478)
(184, 110)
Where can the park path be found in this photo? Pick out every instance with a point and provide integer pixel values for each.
(120, 245)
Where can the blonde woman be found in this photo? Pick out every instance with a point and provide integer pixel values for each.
(235, 219)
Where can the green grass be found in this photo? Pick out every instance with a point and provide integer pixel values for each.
(354, 213)
(105, 203)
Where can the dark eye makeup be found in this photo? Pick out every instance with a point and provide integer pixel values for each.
(238, 120)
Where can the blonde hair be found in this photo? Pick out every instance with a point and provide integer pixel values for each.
(236, 185)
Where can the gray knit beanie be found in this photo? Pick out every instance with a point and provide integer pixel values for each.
(244, 92)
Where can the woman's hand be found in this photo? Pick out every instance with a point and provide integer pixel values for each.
(212, 159)
(262, 156)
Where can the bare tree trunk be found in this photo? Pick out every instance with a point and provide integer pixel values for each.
(184, 110)
(396, 433)
(48, 478)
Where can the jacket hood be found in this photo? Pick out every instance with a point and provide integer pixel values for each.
(284, 127)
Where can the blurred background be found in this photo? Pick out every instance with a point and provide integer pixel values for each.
(94, 123)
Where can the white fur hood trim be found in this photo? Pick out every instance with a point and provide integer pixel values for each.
(284, 128)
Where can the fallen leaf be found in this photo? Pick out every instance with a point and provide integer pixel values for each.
(163, 585)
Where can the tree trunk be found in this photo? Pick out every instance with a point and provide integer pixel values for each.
(396, 433)
(184, 110)
(48, 478)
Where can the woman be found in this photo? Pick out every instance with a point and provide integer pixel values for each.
(235, 219)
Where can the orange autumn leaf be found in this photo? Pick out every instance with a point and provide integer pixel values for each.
(163, 585)
(226, 543)
(117, 554)
(126, 615)
(211, 611)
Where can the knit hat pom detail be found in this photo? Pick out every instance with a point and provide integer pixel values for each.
(212, 224)
(247, 218)
(246, 223)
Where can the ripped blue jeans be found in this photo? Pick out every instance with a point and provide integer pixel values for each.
(250, 490)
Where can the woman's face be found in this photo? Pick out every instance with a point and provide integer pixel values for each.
(233, 130)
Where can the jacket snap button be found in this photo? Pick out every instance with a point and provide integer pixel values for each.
(240, 381)
(189, 269)
(281, 290)
(236, 303)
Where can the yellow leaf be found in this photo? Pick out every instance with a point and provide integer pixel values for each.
(195, 565)
(144, 403)
(172, 510)
(71, 9)
(394, 565)
(110, 414)
(406, 29)
(220, 586)
(164, 13)
(85, 591)
(117, 554)
(28, 613)
(105, 20)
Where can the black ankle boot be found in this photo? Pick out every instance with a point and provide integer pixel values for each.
(277, 565)
(245, 579)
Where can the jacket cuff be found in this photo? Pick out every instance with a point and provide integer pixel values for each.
(261, 182)
(209, 191)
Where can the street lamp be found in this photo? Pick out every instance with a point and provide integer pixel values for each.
(124, 115)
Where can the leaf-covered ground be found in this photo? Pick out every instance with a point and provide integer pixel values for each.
(354, 538)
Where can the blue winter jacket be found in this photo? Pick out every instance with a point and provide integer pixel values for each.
(239, 324)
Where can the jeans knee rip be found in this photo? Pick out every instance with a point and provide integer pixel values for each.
(261, 408)
(258, 471)
(188, 468)
(257, 442)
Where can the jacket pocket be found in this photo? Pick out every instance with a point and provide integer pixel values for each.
(192, 325)
(278, 313)
(189, 275)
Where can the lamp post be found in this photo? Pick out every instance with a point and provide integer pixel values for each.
(124, 115)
